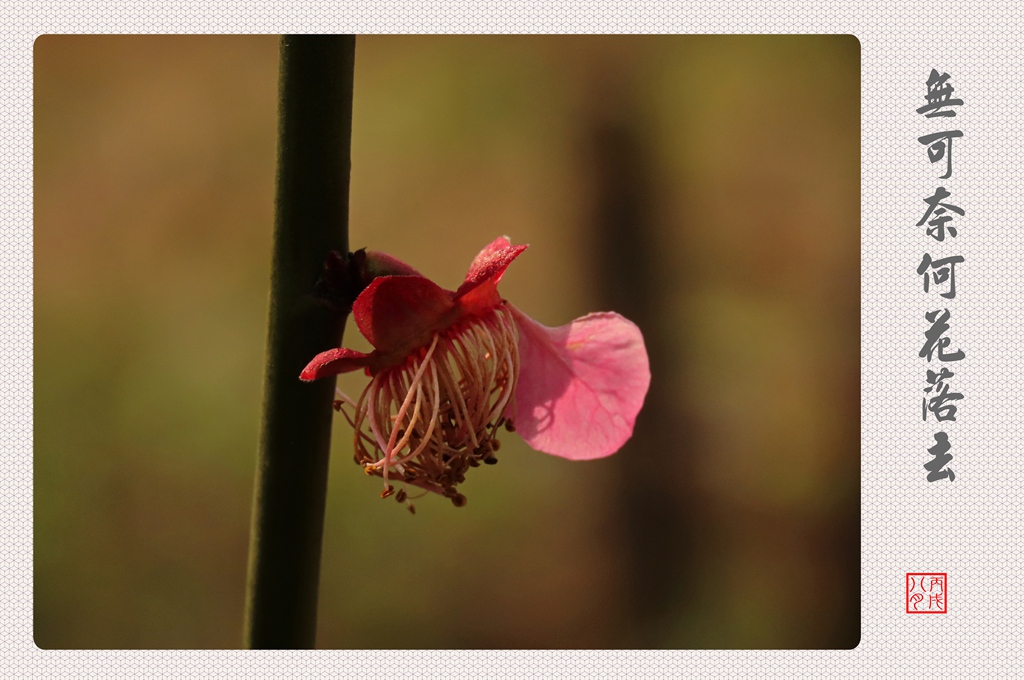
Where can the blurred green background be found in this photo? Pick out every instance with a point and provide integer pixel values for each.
(707, 187)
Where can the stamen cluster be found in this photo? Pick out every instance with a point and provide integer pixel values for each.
(428, 420)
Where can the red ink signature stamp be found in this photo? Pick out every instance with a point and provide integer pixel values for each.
(926, 593)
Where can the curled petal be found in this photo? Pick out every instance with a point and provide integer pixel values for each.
(335, 361)
(480, 289)
(398, 313)
(580, 385)
(376, 263)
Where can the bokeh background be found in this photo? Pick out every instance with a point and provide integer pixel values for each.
(707, 187)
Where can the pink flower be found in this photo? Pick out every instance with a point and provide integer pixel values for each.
(450, 368)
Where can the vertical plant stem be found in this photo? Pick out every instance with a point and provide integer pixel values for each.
(314, 143)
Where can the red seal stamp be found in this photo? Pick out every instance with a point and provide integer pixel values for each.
(926, 593)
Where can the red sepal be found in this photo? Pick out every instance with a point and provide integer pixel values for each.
(335, 361)
(480, 289)
(398, 313)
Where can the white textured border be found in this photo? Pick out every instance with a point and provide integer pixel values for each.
(969, 528)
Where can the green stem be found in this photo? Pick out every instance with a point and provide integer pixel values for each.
(314, 143)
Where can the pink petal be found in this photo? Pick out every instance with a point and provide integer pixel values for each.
(398, 313)
(487, 268)
(333, 362)
(580, 385)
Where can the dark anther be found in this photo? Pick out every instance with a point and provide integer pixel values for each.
(458, 500)
(412, 508)
(509, 426)
(491, 460)
(387, 492)
(495, 445)
(401, 496)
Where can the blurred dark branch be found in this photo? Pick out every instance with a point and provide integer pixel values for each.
(654, 513)
(314, 144)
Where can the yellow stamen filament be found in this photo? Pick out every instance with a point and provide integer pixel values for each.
(389, 451)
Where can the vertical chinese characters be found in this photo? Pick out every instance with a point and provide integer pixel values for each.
(938, 274)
